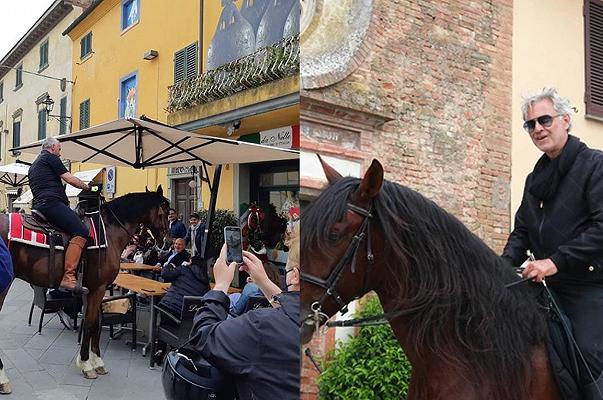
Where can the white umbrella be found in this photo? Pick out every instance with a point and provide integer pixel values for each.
(14, 174)
(141, 143)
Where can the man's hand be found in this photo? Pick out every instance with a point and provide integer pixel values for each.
(223, 273)
(540, 269)
(255, 268)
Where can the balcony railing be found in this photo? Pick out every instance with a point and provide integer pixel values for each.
(272, 63)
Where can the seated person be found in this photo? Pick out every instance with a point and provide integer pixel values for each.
(130, 250)
(259, 349)
(177, 255)
(251, 289)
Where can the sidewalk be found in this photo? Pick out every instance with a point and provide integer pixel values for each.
(42, 366)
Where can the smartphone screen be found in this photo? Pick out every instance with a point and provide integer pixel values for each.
(234, 247)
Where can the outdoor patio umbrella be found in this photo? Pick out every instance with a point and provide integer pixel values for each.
(142, 143)
(14, 174)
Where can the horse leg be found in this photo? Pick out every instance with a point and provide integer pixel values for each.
(90, 326)
(5, 387)
(95, 358)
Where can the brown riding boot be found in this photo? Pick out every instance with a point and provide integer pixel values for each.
(72, 258)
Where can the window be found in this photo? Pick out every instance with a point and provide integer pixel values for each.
(85, 114)
(63, 116)
(128, 96)
(19, 77)
(16, 133)
(129, 13)
(185, 63)
(44, 55)
(42, 124)
(593, 26)
(86, 45)
(1, 92)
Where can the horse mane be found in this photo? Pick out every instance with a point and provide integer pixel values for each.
(132, 206)
(452, 287)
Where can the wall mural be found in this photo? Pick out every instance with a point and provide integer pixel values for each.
(259, 23)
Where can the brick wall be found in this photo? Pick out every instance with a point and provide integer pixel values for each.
(443, 70)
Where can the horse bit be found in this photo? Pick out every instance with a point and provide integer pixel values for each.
(330, 283)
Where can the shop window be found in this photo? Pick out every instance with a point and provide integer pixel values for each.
(86, 45)
(130, 13)
(185, 63)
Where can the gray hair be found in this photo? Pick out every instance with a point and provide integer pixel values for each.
(560, 104)
(49, 142)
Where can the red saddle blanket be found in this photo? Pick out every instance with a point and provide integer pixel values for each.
(18, 233)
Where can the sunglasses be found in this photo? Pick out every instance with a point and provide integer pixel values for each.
(544, 120)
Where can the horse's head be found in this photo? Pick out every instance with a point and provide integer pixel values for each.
(337, 245)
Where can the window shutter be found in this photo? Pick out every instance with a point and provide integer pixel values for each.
(180, 66)
(191, 61)
(63, 114)
(16, 134)
(594, 57)
(41, 124)
(85, 114)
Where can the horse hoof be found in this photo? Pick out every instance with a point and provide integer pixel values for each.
(90, 374)
(101, 370)
(5, 388)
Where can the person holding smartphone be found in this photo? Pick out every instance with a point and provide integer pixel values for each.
(260, 348)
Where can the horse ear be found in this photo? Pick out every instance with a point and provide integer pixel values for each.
(332, 175)
(371, 182)
(160, 190)
(146, 189)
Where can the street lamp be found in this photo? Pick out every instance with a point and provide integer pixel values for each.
(48, 103)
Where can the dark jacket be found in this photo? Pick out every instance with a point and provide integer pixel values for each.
(189, 280)
(260, 348)
(177, 230)
(176, 260)
(568, 227)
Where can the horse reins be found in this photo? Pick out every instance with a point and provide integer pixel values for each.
(330, 283)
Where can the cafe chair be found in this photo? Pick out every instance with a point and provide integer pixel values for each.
(254, 302)
(58, 302)
(110, 316)
(175, 336)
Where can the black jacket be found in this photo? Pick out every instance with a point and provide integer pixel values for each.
(176, 260)
(260, 348)
(189, 280)
(567, 228)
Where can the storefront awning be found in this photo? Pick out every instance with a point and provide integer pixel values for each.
(141, 143)
(85, 176)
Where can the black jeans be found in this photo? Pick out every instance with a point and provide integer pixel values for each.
(63, 217)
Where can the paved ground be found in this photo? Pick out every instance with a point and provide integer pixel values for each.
(42, 366)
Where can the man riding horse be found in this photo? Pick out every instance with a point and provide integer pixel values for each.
(49, 198)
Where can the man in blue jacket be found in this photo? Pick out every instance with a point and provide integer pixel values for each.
(260, 349)
(177, 228)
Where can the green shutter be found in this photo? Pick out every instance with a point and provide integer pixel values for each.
(594, 57)
(16, 134)
(41, 124)
(191, 61)
(63, 114)
(180, 66)
(85, 114)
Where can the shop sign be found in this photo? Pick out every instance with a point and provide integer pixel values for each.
(327, 134)
(279, 137)
(181, 171)
(110, 184)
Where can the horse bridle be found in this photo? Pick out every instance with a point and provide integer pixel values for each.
(330, 283)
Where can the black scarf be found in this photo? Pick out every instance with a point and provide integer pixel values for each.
(548, 173)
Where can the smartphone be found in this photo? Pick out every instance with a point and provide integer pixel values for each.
(234, 245)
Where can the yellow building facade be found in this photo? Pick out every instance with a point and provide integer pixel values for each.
(123, 63)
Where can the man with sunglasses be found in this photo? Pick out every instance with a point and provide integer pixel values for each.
(560, 220)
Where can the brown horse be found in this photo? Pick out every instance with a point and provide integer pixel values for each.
(121, 217)
(466, 334)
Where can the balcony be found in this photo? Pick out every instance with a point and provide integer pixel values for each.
(281, 60)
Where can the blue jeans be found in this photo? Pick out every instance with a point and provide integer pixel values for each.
(64, 218)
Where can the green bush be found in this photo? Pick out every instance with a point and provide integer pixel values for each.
(368, 366)
(222, 218)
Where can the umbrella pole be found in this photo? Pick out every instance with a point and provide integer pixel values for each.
(211, 210)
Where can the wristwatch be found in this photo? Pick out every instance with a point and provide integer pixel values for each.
(274, 300)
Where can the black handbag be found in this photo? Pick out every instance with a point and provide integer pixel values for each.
(188, 376)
